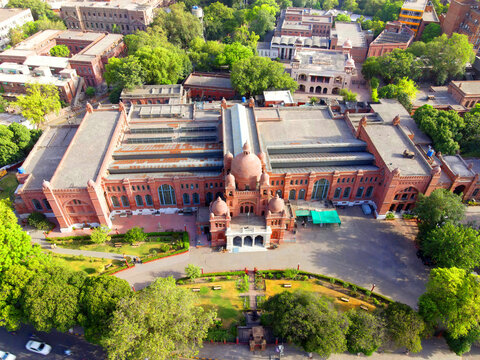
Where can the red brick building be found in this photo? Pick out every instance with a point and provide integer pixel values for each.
(395, 36)
(304, 22)
(209, 86)
(154, 94)
(463, 17)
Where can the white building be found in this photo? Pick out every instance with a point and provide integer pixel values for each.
(9, 19)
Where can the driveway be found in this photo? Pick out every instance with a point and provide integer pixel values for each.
(363, 251)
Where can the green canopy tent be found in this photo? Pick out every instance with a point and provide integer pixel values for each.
(301, 212)
(325, 217)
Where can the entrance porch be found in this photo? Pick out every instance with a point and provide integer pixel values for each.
(248, 233)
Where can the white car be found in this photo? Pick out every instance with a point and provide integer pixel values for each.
(38, 347)
(7, 356)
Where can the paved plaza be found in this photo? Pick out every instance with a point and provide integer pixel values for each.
(362, 250)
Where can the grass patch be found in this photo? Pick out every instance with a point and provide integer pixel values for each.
(8, 183)
(141, 250)
(91, 265)
(276, 286)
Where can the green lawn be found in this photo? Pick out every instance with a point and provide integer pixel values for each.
(142, 250)
(8, 184)
(92, 266)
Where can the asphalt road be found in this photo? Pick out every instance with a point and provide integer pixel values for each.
(81, 349)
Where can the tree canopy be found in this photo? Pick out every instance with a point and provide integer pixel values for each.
(256, 74)
(451, 299)
(160, 322)
(16, 141)
(39, 8)
(431, 31)
(366, 332)
(60, 51)
(125, 73)
(308, 321)
(40, 100)
(404, 326)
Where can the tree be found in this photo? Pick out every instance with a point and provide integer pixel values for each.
(308, 321)
(41, 99)
(160, 322)
(160, 65)
(366, 332)
(343, 17)
(462, 344)
(154, 37)
(193, 271)
(371, 68)
(135, 234)
(350, 5)
(179, 25)
(348, 95)
(453, 246)
(440, 207)
(206, 55)
(234, 52)
(256, 74)
(262, 22)
(100, 235)
(404, 326)
(50, 300)
(39, 8)
(409, 87)
(245, 37)
(430, 32)
(60, 51)
(329, 4)
(90, 91)
(418, 48)
(125, 73)
(451, 299)
(219, 20)
(98, 300)
(399, 64)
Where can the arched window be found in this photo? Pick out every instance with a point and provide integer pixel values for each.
(320, 189)
(148, 200)
(301, 194)
(37, 205)
(186, 199)
(346, 192)
(125, 202)
(359, 192)
(337, 193)
(195, 198)
(46, 204)
(369, 191)
(166, 193)
(115, 202)
(208, 198)
(292, 195)
(139, 200)
(279, 193)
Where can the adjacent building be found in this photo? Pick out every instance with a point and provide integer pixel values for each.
(304, 22)
(463, 17)
(9, 19)
(154, 94)
(416, 14)
(119, 16)
(208, 86)
(395, 36)
(357, 40)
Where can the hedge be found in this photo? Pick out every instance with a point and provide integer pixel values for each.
(148, 258)
(224, 273)
(116, 236)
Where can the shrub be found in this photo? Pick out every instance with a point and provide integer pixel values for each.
(90, 91)
(304, 277)
(278, 276)
(164, 248)
(390, 216)
(408, 216)
(374, 82)
(332, 281)
(270, 275)
(193, 271)
(313, 100)
(100, 235)
(180, 282)
(39, 221)
(228, 277)
(242, 284)
(291, 273)
(134, 235)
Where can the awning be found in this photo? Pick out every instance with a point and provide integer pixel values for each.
(325, 217)
(302, 212)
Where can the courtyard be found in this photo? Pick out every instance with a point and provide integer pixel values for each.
(363, 250)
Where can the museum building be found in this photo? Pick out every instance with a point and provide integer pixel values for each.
(241, 168)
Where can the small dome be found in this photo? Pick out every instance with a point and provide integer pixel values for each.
(296, 57)
(230, 180)
(347, 44)
(228, 156)
(246, 167)
(91, 183)
(396, 172)
(264, 179)
(436, 170)
(351, 62)
(219, 207)
(276, 204)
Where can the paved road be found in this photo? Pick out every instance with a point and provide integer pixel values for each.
(363, 250)
(81, 350)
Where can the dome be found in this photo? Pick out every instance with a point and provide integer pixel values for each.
(276, 205)
(351, 62)
(247, 168)
(228, 156)
(347, 44)
(230, 180)
(264, 179)
(219, 207)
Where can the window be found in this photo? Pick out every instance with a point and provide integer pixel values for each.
(346, 192)
(273, 182)
(108, 188)
(296, 182)
(404, 196)
(186, 199)
(359, 192)
(369, 191)
(118, 188)
(337, 193)
(143, 187)
(148, 200)
(475, 192)
(301, 194)
(37, 205)
(46, 204)
(195, 198)
(139, 200)
(167, 195)
(125, 202)
(115, 202)
(320, 189)
(292, 195)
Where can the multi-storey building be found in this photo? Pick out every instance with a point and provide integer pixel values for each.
(304, 22)
(416, 14)
(463, 17)
(9, 19)
(395, 36)
(154, 94)
(123, 16)
(89, 52)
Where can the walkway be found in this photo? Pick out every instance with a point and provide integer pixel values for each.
(252, 292)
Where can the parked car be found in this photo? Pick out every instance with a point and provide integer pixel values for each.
(367, 210)
(7, 356)
(38, 347)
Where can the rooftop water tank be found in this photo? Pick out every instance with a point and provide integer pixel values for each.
(244, 99)
(21, 170)
(430, 152)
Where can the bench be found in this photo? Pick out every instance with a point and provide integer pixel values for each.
(195, 289)
(363, 307)
(287, 285)
(135, 245)
(108, 265)
(344, 299)
(117, 245)
(217, 288)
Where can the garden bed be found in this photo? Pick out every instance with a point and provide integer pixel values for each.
(91, 265)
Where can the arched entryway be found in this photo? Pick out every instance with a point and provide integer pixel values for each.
(259, 240)
(301, 194)
(318, 90)
(292, 195)
(312, 89)
(404, 200)
(460, 189)
(247, 241)
(336, 91)
(301, 88)
(237, 241)
(325, 90)
(208, 198)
